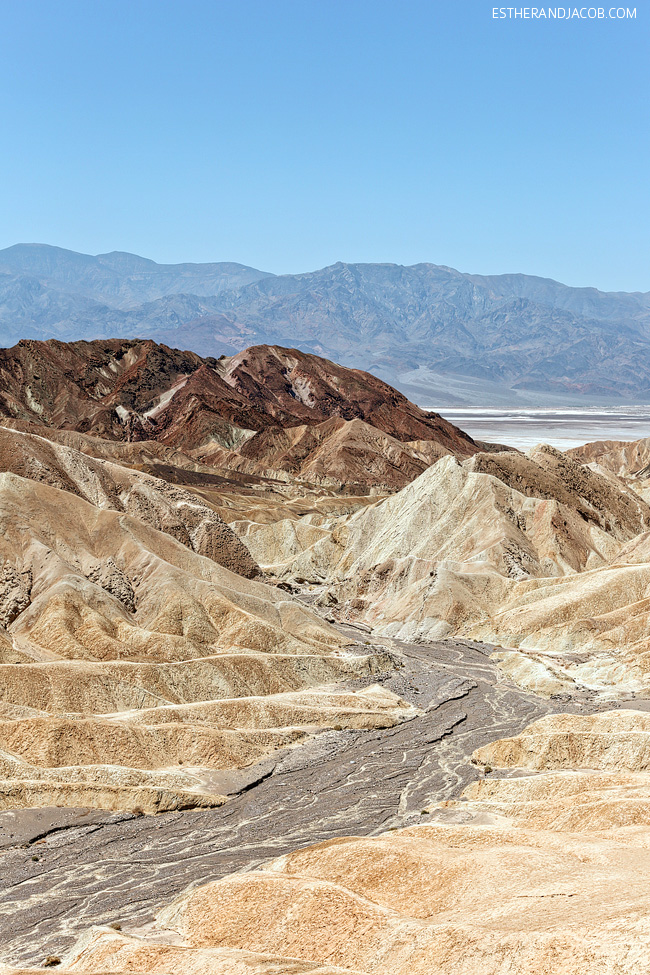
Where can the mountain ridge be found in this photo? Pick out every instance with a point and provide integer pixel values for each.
(119, 274)
(233, 412)
(436, 333)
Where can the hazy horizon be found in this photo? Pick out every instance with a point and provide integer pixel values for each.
(309, 270)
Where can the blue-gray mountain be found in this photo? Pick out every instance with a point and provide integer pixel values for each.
(441, 336)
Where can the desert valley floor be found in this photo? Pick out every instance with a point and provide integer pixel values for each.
(564, 428)
(298, 677)
(340, 783)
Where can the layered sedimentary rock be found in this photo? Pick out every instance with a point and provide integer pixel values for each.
(238, 412)
(132, 663)
(536, 553)
(619, 457)
(628, 461)
(566, 849)
(112, 486)
(333, 453)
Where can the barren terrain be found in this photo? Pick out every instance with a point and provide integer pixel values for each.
(342, 783)
(294, 675)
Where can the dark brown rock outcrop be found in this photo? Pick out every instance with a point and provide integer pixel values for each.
(136, 391)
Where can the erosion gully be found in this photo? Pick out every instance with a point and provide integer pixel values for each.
(123, 868)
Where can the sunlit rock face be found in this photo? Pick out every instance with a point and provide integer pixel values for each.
(538, 554)
(569, 843)
(132, 663)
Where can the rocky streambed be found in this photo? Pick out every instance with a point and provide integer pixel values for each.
(61, 872)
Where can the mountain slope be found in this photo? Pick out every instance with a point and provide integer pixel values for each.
(435, 332)
(215, 410)
(132, 663)
(119, 279)
(402, 320)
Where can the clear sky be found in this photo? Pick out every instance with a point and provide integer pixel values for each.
(290, 134)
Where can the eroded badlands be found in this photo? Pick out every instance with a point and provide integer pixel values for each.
(133, 659)
(536, 553)
(566, 849)
(384, 688)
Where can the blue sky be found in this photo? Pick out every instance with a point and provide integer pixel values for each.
(289, 134)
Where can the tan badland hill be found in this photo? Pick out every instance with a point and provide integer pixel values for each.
(112, 486)
(126, 620)
(536, 553)
(334, 453)
(620, 457)
(629, 461)
(144, 653)
(137, 654)
(544, 872)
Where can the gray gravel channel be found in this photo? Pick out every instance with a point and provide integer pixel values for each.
(121, 868)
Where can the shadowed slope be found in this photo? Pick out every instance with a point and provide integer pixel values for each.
(105, 617)
(232, 412)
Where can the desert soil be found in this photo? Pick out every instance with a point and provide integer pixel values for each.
(59, 873)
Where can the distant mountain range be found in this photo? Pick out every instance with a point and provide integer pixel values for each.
(443, 337)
